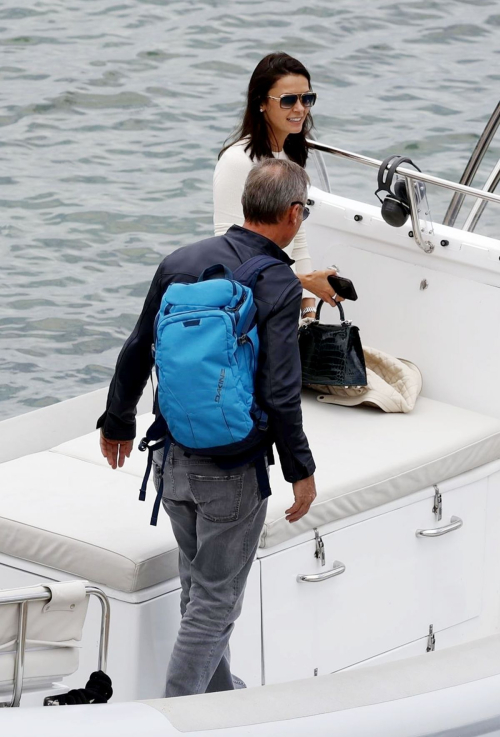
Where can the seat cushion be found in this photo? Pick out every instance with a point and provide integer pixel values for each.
(67, 509)
(58, 623)
(86, 448)
(42, 663)
(84, 519)
(366, 458)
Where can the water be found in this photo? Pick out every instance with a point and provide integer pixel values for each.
(112, 114)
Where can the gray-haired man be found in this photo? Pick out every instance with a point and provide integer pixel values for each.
(216, 508)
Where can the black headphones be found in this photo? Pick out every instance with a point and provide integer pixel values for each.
(396, 204)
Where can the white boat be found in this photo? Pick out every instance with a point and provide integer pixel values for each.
(377, 613)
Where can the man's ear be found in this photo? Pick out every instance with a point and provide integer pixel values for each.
(294, 214)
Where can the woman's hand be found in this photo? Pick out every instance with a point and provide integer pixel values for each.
(317, 283)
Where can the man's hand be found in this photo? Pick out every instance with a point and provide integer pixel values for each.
(305, 493)
(115, 451)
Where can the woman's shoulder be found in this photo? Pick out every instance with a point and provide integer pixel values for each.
(234, 162)
(236, 152)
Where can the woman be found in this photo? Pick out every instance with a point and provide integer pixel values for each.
(275, 123)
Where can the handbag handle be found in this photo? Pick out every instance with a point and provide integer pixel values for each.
(339, 305)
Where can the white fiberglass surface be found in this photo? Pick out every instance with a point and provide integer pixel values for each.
(438, 310)
(470, 710)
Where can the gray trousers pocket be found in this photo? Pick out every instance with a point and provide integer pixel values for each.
(218, 497)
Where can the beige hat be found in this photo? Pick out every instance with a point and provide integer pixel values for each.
(393, 384)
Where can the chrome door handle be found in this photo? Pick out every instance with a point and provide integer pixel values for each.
(455, 524)
(337, 569)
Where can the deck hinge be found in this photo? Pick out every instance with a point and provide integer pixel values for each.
(437, 509)
(431, 640)
(320, 547)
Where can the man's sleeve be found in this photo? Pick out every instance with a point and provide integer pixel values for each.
(133, 368)
(280, 382)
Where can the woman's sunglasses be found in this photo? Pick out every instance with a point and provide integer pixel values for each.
(287, 101)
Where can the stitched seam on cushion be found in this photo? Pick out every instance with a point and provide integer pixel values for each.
(64, 570)
(391, 478)
(137, 566)
(65, 537)
(85, 460)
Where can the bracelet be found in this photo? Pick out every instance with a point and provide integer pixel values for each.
(307, 310)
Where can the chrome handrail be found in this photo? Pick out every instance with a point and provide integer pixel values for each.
(473, 165)
(22, 629)
(409, 173)
(23, 602)
(479, 205)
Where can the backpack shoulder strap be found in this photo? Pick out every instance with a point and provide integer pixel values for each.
(249, 271)
(247, 274)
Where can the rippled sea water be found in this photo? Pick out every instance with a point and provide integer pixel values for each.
(112, 115)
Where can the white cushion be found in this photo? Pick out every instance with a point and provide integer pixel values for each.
(66, 509)
(44, 663)
(84, 519)
(55, 623)
(86, 448)
(53, 629)
(366, 458)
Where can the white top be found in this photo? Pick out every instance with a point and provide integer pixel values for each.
(230, 174)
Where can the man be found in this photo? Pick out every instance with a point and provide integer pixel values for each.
(216, 508)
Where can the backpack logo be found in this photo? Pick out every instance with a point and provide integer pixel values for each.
(220, 385)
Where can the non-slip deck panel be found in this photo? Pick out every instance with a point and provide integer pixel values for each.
(374, 684)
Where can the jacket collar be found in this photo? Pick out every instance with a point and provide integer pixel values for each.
(259, 242)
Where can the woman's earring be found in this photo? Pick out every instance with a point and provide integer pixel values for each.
(261, 109)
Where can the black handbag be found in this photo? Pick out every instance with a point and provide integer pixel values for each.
(331, 354)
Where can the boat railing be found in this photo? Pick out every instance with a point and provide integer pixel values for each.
(411, 175)
(23, 601)
(470, 171)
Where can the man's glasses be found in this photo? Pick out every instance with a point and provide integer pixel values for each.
(305, 211)
(287, 101)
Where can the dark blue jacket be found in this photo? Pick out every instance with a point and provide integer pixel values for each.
(277, 295)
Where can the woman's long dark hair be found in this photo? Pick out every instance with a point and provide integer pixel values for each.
(266, 74)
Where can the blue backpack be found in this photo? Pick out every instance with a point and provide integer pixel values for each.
(206, 351)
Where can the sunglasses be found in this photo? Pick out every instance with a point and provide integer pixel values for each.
(305, 212)
(287, 101)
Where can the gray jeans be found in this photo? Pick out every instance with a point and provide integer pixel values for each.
(217, 517)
